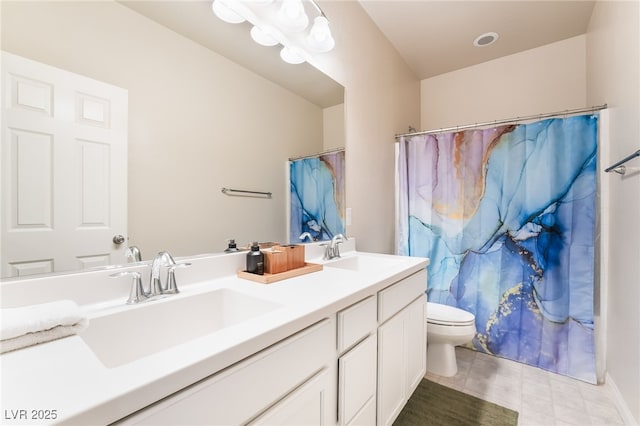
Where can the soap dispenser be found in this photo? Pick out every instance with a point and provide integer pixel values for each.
(255, 260)
(232, 247)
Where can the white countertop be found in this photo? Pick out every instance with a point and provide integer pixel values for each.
(66, 376)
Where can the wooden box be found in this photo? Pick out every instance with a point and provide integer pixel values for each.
(275, 261)
(295, 255)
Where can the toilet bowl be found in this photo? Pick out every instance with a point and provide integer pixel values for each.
(447, 327)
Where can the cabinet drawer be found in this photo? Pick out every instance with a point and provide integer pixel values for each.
(244, 390)
(395, 297)
(356, 322)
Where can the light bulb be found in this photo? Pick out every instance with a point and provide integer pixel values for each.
(291, 55)
(263, 36)
(292, 16)
(319, 37)
(223, 10)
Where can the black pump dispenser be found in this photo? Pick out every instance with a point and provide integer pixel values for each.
(255, 260)
(232, 247)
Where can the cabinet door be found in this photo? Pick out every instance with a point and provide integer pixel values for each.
(415, 326)
(391, 380)
(366, 416)
(307, 405)
(401, 359)
(357, 380)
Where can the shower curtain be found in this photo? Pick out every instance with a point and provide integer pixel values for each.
(507, 217)
(317, 196)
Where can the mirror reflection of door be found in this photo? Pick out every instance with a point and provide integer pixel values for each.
(64, 164)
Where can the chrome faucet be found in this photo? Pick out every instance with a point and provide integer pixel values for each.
(133, 253)
(155, 284)
(332, 248)
(139, 294)
(304, 236)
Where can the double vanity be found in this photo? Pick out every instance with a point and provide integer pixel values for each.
(344, 345)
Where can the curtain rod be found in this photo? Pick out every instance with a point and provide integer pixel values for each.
(506, 121)
(331, 151)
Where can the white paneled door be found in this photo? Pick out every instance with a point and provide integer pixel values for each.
(64, 169)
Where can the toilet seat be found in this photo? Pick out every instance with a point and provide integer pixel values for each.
(440, 314)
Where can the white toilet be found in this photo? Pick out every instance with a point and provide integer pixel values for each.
(447, 327)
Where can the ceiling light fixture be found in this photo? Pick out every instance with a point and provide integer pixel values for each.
(281, 22)
(226, 13)
(485, 39)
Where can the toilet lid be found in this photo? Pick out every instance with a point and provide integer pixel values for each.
(444, 314)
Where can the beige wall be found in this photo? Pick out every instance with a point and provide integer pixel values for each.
(382, 98)
(197, 122)
(333, 127)
(613, 77)
(546, 79)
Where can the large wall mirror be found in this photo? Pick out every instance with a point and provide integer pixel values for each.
(207, 108)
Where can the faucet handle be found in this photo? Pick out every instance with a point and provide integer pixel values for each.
(328, 250)
(336, 247)
(136, 294)
(172, 286)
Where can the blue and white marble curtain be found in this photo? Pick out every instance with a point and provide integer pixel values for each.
(507, 217)
(317, 196)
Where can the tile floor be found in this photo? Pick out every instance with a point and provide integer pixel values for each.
(541, 398)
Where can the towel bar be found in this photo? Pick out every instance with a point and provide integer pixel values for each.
(618, 167)
(229, 191)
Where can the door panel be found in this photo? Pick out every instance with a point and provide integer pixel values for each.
(64, 166)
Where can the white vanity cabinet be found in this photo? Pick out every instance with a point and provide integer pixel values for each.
(357, 355)
(342, 346)
(288, 383)
(401, 344)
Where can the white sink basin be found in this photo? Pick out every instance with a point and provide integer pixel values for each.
(125, 336)
(361, 262)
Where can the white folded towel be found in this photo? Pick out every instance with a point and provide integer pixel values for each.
(30, 325)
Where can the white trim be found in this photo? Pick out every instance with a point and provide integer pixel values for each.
(287, 200)
(621, 405)
(602, 263)
(396, 199)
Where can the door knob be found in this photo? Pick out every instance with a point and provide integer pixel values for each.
(118, 239)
